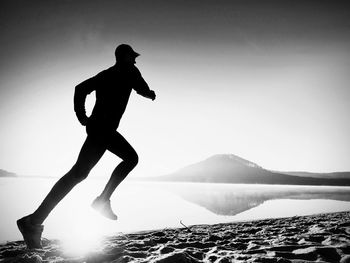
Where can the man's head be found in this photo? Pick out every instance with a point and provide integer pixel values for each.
(125, 54)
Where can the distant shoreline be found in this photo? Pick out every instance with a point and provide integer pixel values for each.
(336, 182)
(152, 180)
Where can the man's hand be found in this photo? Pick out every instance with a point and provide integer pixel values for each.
(151, 95)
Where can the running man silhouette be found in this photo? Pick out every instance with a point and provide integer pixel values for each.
(113, 87)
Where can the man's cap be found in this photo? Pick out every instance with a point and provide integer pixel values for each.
(124, 49)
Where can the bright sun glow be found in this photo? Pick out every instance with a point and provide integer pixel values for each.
(84, 233)
(79, 245)
(76, 224)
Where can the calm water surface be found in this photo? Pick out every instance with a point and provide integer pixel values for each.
(145, 206)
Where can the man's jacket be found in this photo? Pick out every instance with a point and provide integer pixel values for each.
(113, 87)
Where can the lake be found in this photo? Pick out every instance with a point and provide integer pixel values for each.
(151, 205)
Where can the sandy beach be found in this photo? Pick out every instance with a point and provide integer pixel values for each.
(316, 238)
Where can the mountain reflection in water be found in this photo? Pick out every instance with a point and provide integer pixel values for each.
(232, 199)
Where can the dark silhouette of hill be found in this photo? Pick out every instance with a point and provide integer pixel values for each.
(338, 175)
(4, 173)
(229, 168)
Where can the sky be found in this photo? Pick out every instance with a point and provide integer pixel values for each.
(265, 80)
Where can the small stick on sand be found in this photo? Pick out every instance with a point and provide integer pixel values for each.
(185, 226)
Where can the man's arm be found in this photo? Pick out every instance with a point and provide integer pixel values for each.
(81, 91)
(141, 87)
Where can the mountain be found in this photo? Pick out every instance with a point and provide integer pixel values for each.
(4, 173)
(229, 168)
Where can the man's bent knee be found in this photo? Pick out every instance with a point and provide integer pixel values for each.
(133, 160)
(80, 173)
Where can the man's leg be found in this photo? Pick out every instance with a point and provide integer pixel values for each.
(120, 147)
(90, 153)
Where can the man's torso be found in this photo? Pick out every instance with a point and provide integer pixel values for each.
(113, 88)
